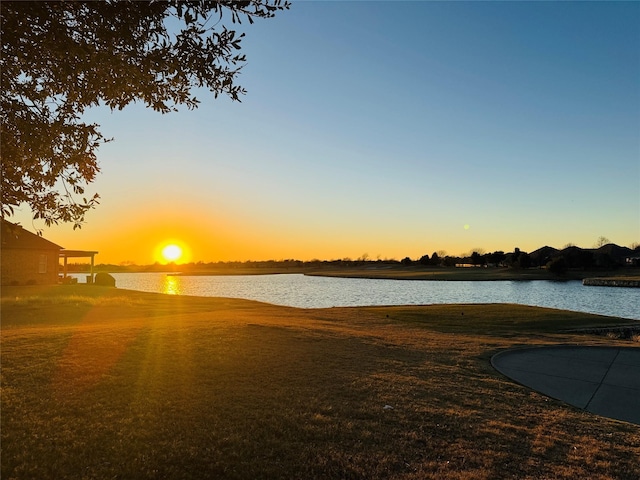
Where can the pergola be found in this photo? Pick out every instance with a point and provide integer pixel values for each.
(78, 254)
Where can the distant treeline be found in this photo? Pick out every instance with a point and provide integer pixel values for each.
(606, 257)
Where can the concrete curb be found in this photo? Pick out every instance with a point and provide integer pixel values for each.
(601, 380)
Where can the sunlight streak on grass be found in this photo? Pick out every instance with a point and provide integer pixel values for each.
(186, 387)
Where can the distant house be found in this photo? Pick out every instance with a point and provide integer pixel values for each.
(26, 258)
(633, 260)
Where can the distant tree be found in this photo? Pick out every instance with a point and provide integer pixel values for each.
(435, 259)
(605, 261)
(60, 58)
(477, 259)
(558, 266)
(584, 259)
(520, 259)
(602, 241)
(496, 257)
(364, 257)
(513, 258)
(524, 260)
(635, 246)
(567, 245)
(449, 261)
(406, 261)
(424, 260)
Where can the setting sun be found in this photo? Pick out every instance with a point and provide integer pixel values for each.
(172, 253)
(172, 250)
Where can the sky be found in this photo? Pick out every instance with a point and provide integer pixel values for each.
(386, 129)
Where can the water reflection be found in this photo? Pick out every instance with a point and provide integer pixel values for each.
(171, 285)
(302, 291)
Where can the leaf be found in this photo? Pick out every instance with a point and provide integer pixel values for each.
(70, 56)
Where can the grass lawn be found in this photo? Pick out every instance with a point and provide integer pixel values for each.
(102, 383)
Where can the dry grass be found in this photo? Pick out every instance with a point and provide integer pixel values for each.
(105, 383)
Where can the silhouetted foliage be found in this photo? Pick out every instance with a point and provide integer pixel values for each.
(585, 259)
(604, 260)
(60, 58)
(450, 261)
(578, 258)
(520, 259)
(524, 260)
(610, 256)
(512, 258)
(496, 258)
(558, 266)
(424, 260)
(477, 259)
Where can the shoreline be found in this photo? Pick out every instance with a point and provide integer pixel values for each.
(626, 282)
(420, 273)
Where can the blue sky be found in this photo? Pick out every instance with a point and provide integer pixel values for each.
(385, 128)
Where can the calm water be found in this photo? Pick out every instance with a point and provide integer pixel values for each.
(318, 292)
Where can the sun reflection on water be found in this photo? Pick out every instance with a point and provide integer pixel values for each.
(172, 285)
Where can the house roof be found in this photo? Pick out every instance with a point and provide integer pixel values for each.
(15, 237)
(77, 253)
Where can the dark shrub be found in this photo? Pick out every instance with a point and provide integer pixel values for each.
(104, 279)
(558, 266)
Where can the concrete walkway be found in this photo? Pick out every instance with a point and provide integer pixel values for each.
(600, 380)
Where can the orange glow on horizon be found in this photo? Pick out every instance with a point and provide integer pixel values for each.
(211, 236)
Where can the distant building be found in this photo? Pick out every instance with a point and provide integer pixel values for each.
(26, 258)
(633, 260)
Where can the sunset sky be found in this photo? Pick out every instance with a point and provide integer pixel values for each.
(390, 129)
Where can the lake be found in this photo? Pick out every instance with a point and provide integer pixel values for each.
(297, 290)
